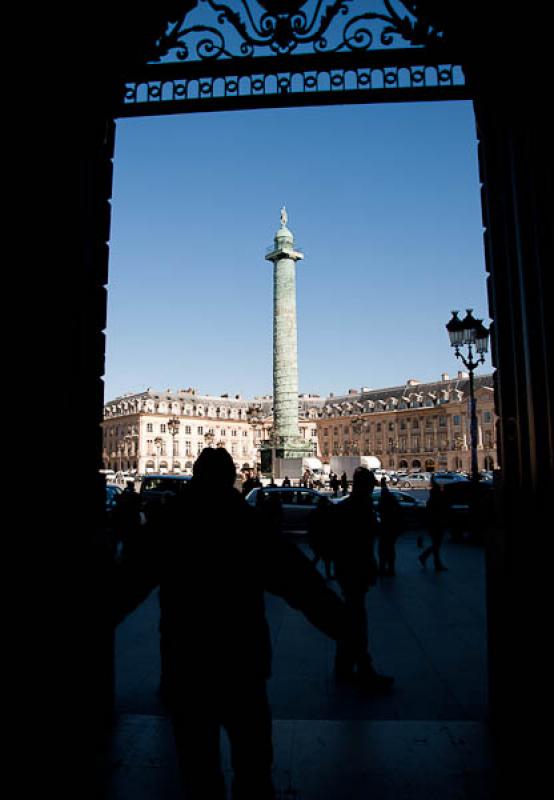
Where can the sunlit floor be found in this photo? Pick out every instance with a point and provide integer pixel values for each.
(429, 738)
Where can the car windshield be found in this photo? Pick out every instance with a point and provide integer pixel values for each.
(111, 494)
(164, 484)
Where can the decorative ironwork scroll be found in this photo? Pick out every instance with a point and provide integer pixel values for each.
(244, 28)
(302, 83)
(276, 53)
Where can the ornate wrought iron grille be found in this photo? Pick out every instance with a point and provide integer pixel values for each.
(270, 53)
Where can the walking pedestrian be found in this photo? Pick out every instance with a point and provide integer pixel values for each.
(436, 521)
(320, 534)
(334, 483)
(344, 483)
(355, 571)
(389, 530)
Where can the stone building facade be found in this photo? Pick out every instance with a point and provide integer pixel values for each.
(417, 426)
(156, 431)
(309, 411)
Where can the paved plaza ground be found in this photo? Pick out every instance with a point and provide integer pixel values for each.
(427, 739)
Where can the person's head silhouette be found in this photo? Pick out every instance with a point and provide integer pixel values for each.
(363, 481)
(214, 468)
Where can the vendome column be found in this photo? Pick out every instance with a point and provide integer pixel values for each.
(286, 445)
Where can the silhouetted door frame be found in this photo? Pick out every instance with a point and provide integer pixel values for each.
(513, 156)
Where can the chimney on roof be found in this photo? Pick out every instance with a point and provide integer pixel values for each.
(445, 376)
(412, 382)
(462, 375)
(365, 389)
(352, 391)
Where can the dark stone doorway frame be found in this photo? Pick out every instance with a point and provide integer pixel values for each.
(515, 155)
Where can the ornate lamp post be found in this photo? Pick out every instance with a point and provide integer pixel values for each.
(158, 441)
(173, 428)
(470, 332)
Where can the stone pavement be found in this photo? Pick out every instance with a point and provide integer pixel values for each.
(427, 739)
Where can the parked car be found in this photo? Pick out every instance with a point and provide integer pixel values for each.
(412, 510)
(418, 480)
(470, 508)
(112, 492)
(448, 477)
(157, 488)
(379, 474)
(297, 504)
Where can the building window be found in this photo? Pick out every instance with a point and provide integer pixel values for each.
(391, 426)
(162, 427)
(200, 430)
(378, 427)
(149, 427)
(188, 430)
(487, 416)
(415, 424)
(457, 419)
(442, 422)
(233, 432)
(245, 433)
(188, 448)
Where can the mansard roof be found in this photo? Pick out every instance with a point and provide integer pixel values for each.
(397, 394)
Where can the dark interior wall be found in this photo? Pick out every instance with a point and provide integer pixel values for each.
(505, 60)
(515, 156)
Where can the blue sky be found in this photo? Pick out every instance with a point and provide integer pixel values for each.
(383, 200)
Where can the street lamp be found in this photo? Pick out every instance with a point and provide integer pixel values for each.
(173, 428)
(158, 441)
(475, 336)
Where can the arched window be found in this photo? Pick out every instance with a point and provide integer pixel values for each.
(416, 464)
(403, 465)
(429, 465)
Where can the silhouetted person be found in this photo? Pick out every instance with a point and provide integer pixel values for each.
(320, 534)
(249, 484)
(213, 564)
(286, 481)
(344, 483)
(127, 516)
(436, 520)
(356, 571)
(269, 506)
(389, 531)
(334, 483)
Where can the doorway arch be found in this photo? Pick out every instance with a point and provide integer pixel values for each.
(515, 157)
